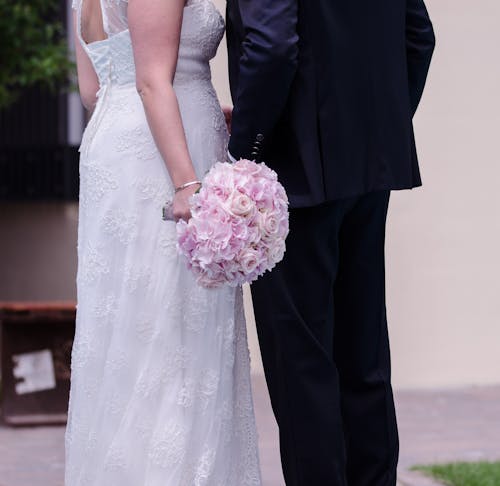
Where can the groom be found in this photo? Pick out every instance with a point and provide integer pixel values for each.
(324, 92)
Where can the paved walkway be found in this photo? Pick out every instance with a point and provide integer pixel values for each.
(434, 427)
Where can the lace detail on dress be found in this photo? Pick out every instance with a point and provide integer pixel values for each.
(203, 37)
(121, 226)
(95, 183)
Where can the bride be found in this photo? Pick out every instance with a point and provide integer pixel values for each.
(160, 392)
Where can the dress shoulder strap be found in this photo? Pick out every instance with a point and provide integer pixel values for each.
(114, 15)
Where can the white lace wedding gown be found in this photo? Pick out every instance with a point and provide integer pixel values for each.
(160, 392)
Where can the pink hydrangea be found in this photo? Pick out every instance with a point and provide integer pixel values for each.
(238, 227)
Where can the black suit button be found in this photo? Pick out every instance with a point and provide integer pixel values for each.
(260, 137)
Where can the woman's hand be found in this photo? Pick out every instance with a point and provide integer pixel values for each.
(180, 205)
(228, 115)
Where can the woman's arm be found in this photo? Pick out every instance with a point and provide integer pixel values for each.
(155, 28)
(87, 77)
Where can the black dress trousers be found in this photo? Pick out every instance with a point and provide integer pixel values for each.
(322, 329)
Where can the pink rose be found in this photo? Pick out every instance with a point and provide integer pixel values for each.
(277, 252)
(247, 167)
(249, 260)
(270, 223)
(241, 205)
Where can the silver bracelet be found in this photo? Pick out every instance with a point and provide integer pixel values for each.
(186, 185)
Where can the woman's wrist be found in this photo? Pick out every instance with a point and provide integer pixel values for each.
(183, 172)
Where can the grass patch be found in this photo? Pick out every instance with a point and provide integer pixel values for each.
(464, 473)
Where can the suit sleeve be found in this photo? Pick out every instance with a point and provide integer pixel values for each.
(420, 42)
(268, 64)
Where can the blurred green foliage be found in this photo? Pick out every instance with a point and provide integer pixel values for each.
(33, 48)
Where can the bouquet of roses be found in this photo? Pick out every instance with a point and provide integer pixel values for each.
(238, 226)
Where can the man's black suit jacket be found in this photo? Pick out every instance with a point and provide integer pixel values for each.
(325, 91)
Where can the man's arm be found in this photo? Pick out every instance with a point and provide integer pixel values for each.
(420, 43)
(267, 67)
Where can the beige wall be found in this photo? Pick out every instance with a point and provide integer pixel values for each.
(443, 241)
